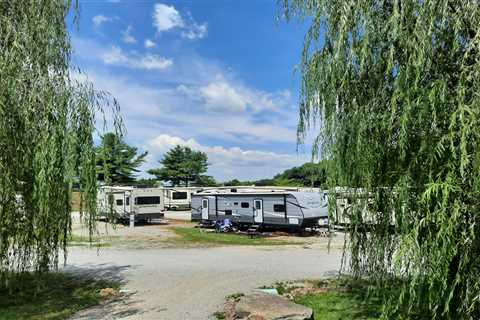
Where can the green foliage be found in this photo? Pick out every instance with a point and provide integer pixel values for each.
(307, 175)
(47, 121)
(49, 296)
(117, 161)
(182, 165)
(206, 181)
(145, 182)
(394, 87)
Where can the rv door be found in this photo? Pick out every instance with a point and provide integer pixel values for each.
(205, 209)
(258, 211)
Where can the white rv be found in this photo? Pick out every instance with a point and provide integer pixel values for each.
(267, 208)
(120, 202)
(178, 198)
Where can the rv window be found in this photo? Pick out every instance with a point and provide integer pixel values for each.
(147, 200)
(233, 190)
(119, 202)
(179, 195)
(110, 198)
(245, 205)
(258, 205)
(205, 203)
(279, 208)
(228, 212)
(235, 203)
(127, 201)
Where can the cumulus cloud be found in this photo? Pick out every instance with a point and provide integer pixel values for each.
(149, 44)
(222, 95)
(100, 19)
(166, 18)
(127, 35)
(228, 163)
(116, 56)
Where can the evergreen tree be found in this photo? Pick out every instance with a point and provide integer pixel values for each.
(117, 162)
(182, 165)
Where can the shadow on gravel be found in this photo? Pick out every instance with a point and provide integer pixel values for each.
(102, 271)
(121, 306)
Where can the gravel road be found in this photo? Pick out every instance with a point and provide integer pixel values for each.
(192, 283)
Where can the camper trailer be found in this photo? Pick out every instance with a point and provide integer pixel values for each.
(274, 208)
(179, 198)
(145, 203)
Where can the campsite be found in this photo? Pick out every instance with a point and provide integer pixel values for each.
(196, 266)
(239, 160)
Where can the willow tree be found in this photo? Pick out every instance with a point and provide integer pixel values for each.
(394, 87)
(47, 121)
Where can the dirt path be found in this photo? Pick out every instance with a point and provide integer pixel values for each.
(192, 283)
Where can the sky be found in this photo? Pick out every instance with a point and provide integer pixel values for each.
(217, 76)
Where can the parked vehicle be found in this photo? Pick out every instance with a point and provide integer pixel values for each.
(275, 208)
(145, 203)
(179, 198)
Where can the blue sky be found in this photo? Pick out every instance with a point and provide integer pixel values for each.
(217, 76)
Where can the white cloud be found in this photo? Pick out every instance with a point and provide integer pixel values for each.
(225, 96)
(166, 18)
(228, 163)
(98, 20)
(195, 31)
(149, 44)
(220, 96)
(135, 61)
(127, 36)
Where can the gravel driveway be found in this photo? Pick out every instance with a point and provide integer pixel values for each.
(192, 283)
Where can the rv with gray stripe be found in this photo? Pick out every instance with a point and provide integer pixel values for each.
(281, 209)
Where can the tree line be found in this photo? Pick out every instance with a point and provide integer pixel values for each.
(119, 163)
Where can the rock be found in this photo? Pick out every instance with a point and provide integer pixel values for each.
(108, 292)
(261, 306)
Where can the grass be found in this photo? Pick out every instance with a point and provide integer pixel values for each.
(339, 306)
(341, 302)
(219, 315)
(84, 241)
(198, 236)
(51, 296)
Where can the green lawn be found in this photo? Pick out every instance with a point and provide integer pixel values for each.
(339, 306)
(84, 241)
(190, 236)
(49, 296)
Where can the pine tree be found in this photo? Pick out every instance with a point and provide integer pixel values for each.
(181, 165)
(117, 162)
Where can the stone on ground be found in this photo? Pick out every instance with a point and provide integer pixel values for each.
(261, 306)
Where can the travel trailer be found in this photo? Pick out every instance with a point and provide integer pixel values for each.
(179, 198)
(266, 208)
(145, 203)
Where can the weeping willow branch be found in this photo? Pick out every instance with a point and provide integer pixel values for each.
(394, 87)
(47, 123)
